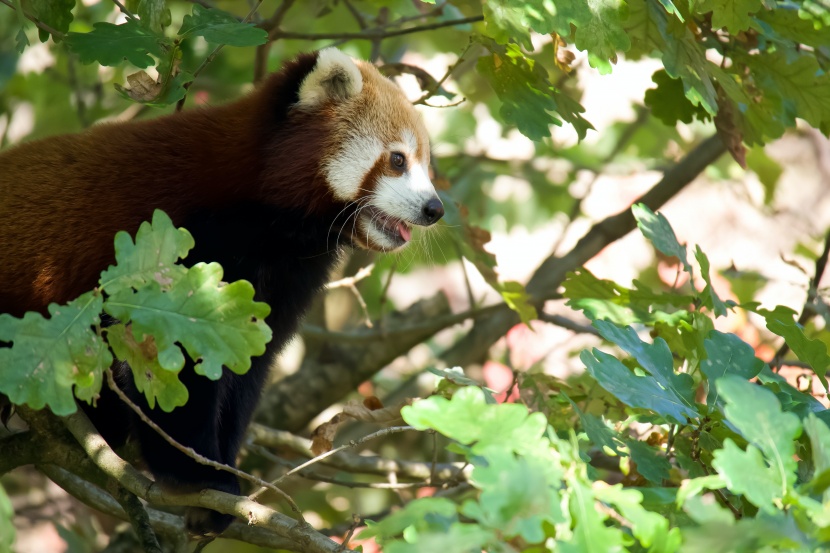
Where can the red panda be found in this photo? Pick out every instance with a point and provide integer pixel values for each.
(326, 153)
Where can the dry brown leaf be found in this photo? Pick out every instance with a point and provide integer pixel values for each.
(369, 410)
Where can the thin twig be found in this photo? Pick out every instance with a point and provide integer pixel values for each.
(352, 280)
(437, 86)
(124, 10)
(378, 434)
(190, 452)
(266, 437)
(38, 23)
(374, 34)
(210, 58)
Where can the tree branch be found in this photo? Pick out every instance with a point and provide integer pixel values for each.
(375, 33)
(553, 270)
(349, 462)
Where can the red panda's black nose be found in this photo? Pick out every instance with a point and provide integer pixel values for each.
(433, 210)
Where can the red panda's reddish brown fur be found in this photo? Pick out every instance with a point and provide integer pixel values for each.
(57, 221)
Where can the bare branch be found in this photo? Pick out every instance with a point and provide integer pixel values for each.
(349, 462)
(376, 33)
(190, 452)
(553, 270)
(372, 436)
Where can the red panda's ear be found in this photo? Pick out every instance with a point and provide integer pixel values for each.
(335, 77)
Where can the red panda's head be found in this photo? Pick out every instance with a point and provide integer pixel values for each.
(375, 161)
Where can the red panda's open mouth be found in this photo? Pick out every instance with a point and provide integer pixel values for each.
(396, 230)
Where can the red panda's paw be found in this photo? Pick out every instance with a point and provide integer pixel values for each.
(205, 523)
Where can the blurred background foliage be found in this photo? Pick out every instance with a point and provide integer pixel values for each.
(546, 117)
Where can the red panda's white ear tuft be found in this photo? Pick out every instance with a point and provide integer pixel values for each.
(335, 77)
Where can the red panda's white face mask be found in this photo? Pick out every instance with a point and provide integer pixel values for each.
(378, 161)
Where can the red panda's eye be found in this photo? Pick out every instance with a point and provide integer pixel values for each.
(397, 160)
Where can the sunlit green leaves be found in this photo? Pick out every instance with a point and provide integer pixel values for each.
(516, 297)
(221, 28)
(213, 322)
(110, 44)
(731, 14)
(517, 496)
(602, 35)
(151, 258)
(812, 351)
(529, 100)
(766, 470)
(633, 390)
(803, 85)
(51, 356)
(468, 418)
(154, 381)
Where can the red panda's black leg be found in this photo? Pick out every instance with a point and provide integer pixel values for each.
(194, 425)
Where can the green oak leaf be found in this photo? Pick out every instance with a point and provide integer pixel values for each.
(517, 299)
(733, 15)
(645, 28)
(708, 296)
(428, 513)
(668, 102)
(757, 414)
(151, 258)
(512, 20)
(55, 13)
(599, 433)
(655, 358)
(21, 41)
(7, 531)
(685, 58)
(458, 537)
(813, 352)
(590, 534)
(747, 473)
(110, 44)
(153, 14)
(518, 495)
(651, 462)
(51, 356)
(217, 324)
(784, 24)
(659, 232)
(603, 34)
(468, 418)
(801, 82)
(819, 435)
(220, 27)
(151, 379)
(528, 98)
(650, 528)
(727, 354)
(636, 391)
